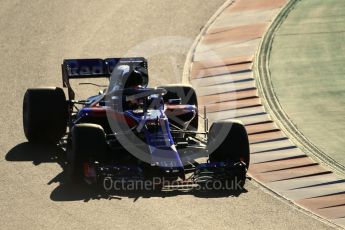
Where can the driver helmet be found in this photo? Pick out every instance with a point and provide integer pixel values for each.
(133, 79)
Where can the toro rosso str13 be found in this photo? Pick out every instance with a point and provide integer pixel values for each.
(129, 131)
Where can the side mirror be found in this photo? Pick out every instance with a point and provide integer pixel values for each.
(175, 101)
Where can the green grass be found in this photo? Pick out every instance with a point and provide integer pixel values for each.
(307, 67)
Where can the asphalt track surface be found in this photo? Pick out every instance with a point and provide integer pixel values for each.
(34, 39)
(310, 71)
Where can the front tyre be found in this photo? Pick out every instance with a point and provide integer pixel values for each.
(87, 144)
(228, 142)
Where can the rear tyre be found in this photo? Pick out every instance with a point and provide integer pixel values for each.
(45, 115)
(187, 95)
(87, 143)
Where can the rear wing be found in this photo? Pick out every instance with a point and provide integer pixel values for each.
(95, 68)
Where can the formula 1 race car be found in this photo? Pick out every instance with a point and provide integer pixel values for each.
(129, 131)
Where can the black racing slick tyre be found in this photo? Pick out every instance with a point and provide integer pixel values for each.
(228, 141)
(87, 143)
(187, 95)
(45, 114)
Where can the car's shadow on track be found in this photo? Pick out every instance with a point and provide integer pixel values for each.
(36, 153)
(67, 191)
